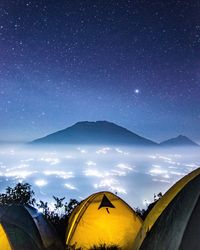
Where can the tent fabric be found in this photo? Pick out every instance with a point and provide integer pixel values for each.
(103, 218)
(19, 239)
(20, 225)
(25, 228)
(161, 205)
(178, 226)
(4, 242)
(47, 232)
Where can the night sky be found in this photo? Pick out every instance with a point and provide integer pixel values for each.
(133, 62)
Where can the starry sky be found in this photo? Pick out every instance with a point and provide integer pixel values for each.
(133, 62)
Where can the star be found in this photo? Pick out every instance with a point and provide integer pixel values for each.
(94, 62)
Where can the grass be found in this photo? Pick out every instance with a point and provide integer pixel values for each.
(105, 247)
(96, 247)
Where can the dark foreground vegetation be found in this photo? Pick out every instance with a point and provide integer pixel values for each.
(95, 247)
(23, 194)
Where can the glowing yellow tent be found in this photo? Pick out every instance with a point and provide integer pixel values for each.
(4, 242)
(174, 222)
(103, 218)
(23, 228)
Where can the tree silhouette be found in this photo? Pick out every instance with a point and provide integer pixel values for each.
(144, 212)
(20, 194)
(23, 194)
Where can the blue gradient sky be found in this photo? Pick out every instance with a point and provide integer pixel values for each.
(135, 63)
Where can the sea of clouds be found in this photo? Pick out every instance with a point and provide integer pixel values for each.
(134, 174)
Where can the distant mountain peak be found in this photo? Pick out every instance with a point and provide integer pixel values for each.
(182, 137)
(180, 140)
(95, 132)
(93, 123)
(106, 133)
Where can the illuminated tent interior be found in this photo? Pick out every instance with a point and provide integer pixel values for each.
(103, 218)
(23, 228)
(174, 222)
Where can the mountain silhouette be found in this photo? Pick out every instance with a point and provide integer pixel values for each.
(99, 132)
(179, 141)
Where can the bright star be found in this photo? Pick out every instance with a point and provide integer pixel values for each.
(137, 91)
